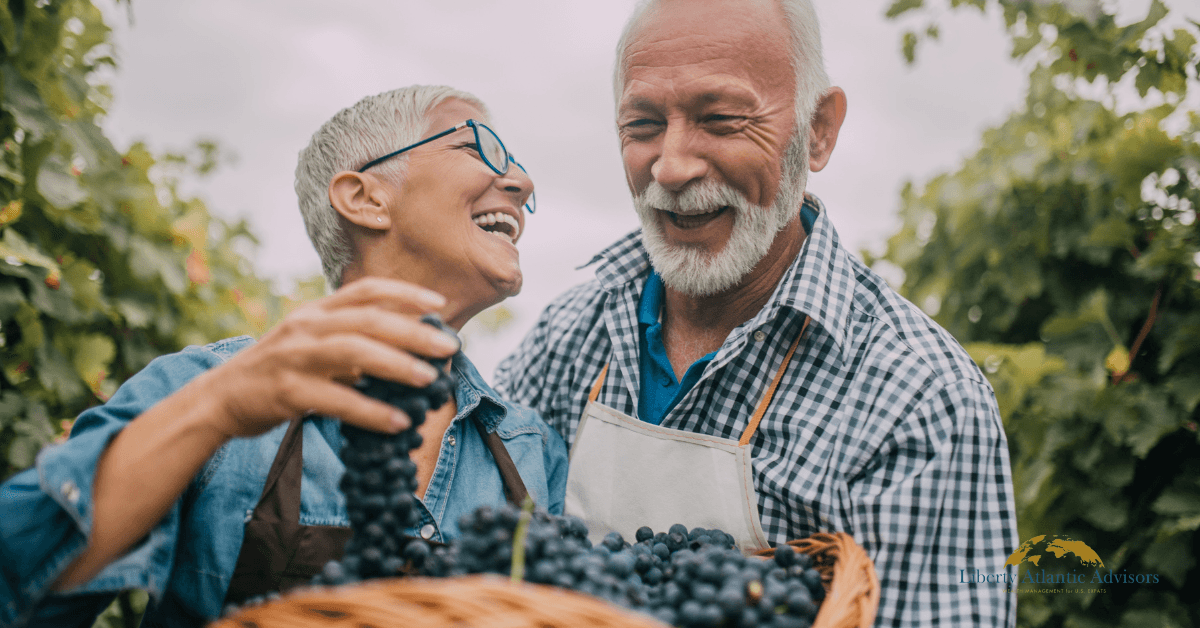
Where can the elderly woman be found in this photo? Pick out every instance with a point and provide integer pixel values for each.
(212, 475)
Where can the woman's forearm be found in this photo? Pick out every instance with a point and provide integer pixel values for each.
(143, 471)
(307, 363)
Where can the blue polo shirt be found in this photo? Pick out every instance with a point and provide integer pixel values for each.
(660, 389)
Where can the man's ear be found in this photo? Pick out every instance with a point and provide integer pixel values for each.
(826, 122)
(361, 199)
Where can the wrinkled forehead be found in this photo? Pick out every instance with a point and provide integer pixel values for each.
(712, 37)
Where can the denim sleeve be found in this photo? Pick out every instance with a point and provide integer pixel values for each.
(556, 469)
(48, 508)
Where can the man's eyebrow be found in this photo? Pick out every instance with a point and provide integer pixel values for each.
(728, 95)
(639, 103)
(735, 96)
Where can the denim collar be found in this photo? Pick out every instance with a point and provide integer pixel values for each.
(473, 392)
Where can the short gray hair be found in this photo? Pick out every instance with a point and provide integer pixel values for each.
(372, 127)
(812, 81)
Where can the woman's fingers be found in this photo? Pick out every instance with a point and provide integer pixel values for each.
(310, 360)
(348, 356)
(391, 294)
(352, 407)
(348, 342)
(400, 331)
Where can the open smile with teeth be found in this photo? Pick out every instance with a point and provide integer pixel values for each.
(694, 219)
(500, 224)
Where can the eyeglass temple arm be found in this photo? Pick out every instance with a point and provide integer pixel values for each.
(427, 140)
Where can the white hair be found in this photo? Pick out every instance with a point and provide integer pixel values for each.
(812, 81)
(372, 127)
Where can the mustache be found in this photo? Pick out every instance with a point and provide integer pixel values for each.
(698, 198)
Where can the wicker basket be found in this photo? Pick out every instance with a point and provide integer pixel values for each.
(851, 586)
(483, 601)
(491, 601)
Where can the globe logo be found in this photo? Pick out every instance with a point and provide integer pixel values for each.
(1047, 549)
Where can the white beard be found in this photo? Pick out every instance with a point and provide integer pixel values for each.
(697, 273)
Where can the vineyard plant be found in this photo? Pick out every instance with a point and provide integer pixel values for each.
(1064, 255)
(103, 265)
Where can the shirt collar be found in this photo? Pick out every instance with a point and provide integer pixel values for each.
(819, 283)
(652, 297)
(622, 262)
(474, 396)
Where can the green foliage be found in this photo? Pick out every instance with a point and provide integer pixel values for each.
(103, 264)
(125, 612)
(1064, 256)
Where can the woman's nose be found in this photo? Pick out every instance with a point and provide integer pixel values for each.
(516, 181)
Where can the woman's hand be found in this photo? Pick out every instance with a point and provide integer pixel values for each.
(310, 361)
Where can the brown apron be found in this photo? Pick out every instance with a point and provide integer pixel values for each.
(279, 553)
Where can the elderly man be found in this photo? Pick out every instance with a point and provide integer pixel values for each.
(780, 388)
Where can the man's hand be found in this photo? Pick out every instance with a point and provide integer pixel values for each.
(310, 361)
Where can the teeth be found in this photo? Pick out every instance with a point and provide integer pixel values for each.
(694, 212)
(490, 219)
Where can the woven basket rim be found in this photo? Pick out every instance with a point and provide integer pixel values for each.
(847, 573)
(477, 600)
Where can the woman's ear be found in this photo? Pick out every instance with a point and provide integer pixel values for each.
(361, 199)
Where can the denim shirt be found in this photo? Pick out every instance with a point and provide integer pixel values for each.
(187, 560)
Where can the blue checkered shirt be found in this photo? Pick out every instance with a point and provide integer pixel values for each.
(882, 426)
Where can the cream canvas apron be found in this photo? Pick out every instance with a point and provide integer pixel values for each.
(625, 473)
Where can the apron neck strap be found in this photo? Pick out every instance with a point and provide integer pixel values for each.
(599, 383)
(514, 487)
(280, 499)
(763, 403)
(766, 399)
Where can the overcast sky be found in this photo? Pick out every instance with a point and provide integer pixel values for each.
(260, 77)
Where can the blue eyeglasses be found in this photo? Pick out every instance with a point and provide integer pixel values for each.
(487, 144)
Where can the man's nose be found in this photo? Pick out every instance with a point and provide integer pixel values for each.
(679, 164)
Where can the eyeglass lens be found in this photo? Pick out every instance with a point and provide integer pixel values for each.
(492, 149)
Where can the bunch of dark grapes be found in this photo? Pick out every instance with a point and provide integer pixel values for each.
(380, 480)
(686, 578)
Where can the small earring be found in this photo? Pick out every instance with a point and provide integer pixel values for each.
(379, 219)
